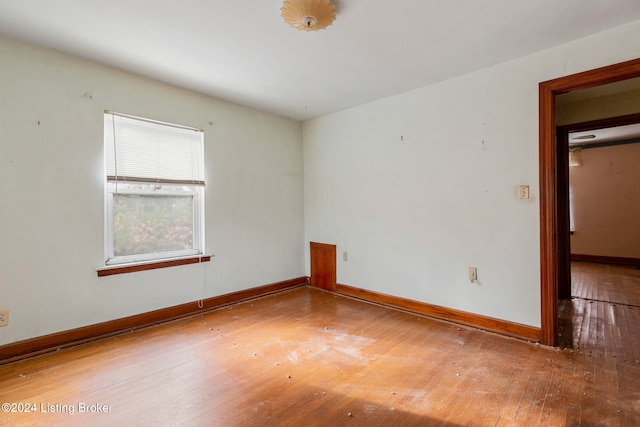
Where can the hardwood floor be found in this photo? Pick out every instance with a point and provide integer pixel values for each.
(306, 357)
(602, 317)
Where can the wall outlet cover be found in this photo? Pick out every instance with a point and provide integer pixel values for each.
(523, 192)
(4, 317)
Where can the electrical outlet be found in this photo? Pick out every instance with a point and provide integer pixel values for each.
(473, 274)
(4, 317)
(523, 192)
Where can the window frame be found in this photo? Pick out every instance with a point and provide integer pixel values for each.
(161, 186)
(196, 194)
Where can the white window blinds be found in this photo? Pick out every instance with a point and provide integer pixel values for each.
(141, 150)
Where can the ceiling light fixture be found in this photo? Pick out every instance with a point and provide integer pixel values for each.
(308, 15)
(576, 138)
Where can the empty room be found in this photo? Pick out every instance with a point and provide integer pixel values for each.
(319, 213)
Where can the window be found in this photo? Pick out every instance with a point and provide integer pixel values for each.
(154, 190)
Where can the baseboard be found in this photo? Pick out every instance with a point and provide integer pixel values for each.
(34, 346)
(503, 327)
(606, 259)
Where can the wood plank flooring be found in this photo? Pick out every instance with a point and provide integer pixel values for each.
(306, 357)
(601, 322)
(602, 317)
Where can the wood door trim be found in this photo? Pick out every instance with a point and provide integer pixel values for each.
(549, 250)
(628, 119)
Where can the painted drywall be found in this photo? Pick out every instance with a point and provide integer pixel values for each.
(600, 107)
(605, 195)
(52, 194)
(420, 186)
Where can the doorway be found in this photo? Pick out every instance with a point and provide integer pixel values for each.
(553, 160)
(598, 300)
(605, 134)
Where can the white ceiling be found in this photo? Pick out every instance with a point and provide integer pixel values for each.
(242, 51)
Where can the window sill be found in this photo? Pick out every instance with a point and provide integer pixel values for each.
(151, 265)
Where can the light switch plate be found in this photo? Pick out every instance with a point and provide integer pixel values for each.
(473, 274)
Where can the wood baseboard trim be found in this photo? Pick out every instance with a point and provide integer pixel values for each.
(606, 259)
(503, 327)
(39, 345)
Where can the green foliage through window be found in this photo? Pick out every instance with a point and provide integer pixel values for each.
(145, 224)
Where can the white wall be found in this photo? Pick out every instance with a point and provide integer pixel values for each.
(606, 202)
(601, 107)
(52, 200)
(415, 213)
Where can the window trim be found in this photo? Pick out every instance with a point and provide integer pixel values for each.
(121, 184)
(110, 270)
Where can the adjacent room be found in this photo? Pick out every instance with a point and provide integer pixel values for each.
(314, 212)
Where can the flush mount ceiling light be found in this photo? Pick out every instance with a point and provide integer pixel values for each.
(575, 138)
(308, 15)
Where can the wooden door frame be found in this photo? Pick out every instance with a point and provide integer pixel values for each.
(551, 255)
